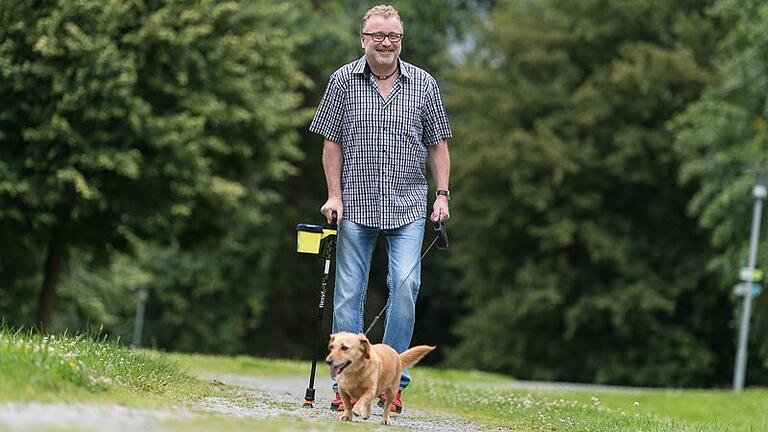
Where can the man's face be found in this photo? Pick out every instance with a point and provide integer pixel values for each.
(383, 54)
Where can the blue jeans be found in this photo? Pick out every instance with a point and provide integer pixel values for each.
(354, 250)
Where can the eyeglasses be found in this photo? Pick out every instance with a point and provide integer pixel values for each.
(379, 37)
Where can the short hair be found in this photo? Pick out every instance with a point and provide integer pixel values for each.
(384, 11)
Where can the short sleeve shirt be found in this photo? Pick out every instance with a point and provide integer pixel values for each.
(383, 142)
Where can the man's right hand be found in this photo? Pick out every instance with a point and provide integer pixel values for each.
(330, 206)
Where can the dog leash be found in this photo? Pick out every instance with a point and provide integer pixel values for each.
(442, 236)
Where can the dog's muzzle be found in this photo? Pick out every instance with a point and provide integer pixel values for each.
(335, 370)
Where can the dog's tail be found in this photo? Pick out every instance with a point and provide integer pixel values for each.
(412, 356)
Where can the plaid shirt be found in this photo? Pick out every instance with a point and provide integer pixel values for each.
(384, 143)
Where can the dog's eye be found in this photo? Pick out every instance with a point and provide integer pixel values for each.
(344, 347)
(330, 347)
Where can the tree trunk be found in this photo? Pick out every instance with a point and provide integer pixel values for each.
(50, 279)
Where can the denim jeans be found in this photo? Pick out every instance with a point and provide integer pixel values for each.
(354, 251)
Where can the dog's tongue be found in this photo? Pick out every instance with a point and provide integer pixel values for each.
(334, 372)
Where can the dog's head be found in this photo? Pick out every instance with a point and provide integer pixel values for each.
(346, 349)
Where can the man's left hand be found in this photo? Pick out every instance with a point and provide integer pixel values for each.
(440, 210)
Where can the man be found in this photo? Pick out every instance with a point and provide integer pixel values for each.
(382, 119)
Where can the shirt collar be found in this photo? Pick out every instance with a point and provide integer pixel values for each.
(361, 67)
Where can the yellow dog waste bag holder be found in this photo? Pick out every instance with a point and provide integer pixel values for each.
(310, 237)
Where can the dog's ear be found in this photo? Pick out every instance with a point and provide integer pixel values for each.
(333, 336)
(365, 347)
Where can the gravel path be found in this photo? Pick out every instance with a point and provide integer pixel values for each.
(265, 398)
(286, 396)
(31, 416)
(261, 398)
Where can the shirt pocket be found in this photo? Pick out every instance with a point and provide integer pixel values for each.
(410, 126)
(413, 149)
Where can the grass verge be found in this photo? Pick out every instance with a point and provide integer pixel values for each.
(469, 395)
(35, 367)
(201, 364)
(83, 368)
(673, 411)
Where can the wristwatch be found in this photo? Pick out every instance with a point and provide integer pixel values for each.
(443, 192)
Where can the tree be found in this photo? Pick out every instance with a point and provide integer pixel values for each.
(149, 120)
(578, 255)
(723, 140)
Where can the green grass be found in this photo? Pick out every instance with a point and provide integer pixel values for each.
(87, 369)
(200, 364)
(34, 367)
(219, 423)
(722, 409)
(462, 392)
(595, 411)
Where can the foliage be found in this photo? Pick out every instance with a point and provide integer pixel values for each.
(202, 301)
(244, 263)
(196, 300)
(164, 144)
(151, 120)
(723, 140)
(580, 259)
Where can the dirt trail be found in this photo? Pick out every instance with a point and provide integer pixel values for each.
(285, 397)
(267, 398)
(32, 416)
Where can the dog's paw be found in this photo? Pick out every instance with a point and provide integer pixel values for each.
(385, 421)
(347, 416)
(359, 411)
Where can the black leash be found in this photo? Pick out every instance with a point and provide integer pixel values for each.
(441, 235)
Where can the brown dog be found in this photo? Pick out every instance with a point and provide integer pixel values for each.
(364, 371)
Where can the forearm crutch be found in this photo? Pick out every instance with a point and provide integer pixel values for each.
(321, 241)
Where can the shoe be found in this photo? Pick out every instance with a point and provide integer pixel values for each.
(337, 404)
(396, 406)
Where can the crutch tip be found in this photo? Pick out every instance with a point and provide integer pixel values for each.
(308, 403)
